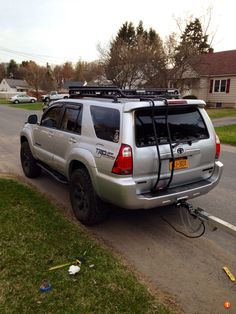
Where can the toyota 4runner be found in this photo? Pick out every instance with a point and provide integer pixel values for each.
(131, 148)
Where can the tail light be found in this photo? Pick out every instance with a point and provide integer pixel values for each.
(124, 161)
(217, 147)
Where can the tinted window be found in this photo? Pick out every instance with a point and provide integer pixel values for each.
(186, 124)
(71, 120)
(106, 123)
(51, 117)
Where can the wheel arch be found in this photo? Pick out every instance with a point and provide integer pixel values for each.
(26, 136)
(23, 139)
(78, 164)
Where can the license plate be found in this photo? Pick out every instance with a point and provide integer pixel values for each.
(180, 163)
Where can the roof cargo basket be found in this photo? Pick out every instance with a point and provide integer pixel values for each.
(115, 92)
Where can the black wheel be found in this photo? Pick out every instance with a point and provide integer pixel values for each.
(16, 102)
(87, 206)
(32, 100)
(28, 163)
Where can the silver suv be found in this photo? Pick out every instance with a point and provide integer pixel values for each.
(134, 149)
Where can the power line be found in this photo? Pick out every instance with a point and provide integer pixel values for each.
(30, 55)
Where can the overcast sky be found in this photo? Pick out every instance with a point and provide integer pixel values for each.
(68, 30)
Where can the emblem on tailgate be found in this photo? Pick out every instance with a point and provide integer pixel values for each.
(180, 150)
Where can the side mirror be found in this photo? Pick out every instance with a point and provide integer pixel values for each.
(32, 119)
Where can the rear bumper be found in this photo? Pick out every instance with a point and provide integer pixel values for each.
(122, 192)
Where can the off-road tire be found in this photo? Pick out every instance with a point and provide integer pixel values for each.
(28, 163)
(88, 208)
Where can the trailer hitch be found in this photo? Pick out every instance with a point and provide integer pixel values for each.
(204, 216)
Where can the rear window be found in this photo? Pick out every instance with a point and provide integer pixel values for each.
(106, 123)
(185, 123)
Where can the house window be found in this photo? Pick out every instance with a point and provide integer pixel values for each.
(220, 86)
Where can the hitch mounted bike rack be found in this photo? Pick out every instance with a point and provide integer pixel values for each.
(204, 216)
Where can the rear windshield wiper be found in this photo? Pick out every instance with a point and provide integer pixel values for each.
(189, 141)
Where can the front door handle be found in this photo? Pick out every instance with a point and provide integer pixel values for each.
(72, 140)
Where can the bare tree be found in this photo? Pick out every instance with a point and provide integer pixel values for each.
(33, 74)
(184, 56)
(58, 76)
(67, 71)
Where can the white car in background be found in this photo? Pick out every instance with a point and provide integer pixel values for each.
(22, 99)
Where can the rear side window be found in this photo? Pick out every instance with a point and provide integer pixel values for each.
(106, 123)
(71, 121)
(185, 123)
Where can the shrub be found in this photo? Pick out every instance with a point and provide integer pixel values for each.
(190, 97)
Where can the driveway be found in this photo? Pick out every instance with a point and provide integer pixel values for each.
(183, 271)
(224, 121)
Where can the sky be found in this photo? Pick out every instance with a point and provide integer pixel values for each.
(57, 31)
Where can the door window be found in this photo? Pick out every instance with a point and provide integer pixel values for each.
(71, 121)
(51, 118)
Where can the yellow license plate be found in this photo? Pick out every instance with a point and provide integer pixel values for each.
(180, 163)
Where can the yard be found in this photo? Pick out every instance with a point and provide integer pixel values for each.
(28, 106)
(227, 134)
(36, 236)
(221, 113)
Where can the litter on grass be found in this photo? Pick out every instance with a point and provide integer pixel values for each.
(45, 286)
(77, 261)
(73, 269)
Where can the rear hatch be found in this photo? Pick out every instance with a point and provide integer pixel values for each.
(193, 147)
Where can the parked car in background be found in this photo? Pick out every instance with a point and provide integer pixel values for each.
(54, 95)
(22, 99)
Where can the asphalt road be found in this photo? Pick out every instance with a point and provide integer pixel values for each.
(184, 271)
(224, 121)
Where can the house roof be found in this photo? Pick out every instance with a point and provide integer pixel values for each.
(13, 83)
(67, 84)
(215, 64)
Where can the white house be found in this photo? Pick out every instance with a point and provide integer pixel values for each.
(14, 86)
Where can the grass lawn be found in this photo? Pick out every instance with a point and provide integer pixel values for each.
(227, 134)
(34, 235)
(221, 112)
(30, 106)
(4, 101)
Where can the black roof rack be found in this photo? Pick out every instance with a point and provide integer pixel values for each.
(115, 92)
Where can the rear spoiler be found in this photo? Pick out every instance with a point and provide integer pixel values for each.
(130, 106)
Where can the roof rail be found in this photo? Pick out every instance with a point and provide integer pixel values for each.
(114, 92)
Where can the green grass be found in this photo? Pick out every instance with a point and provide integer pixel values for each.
(30, 106)
(227, 134)
(4, 101)
(34, 235)
(221, 113)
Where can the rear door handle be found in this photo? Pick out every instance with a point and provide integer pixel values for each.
(72, 140)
